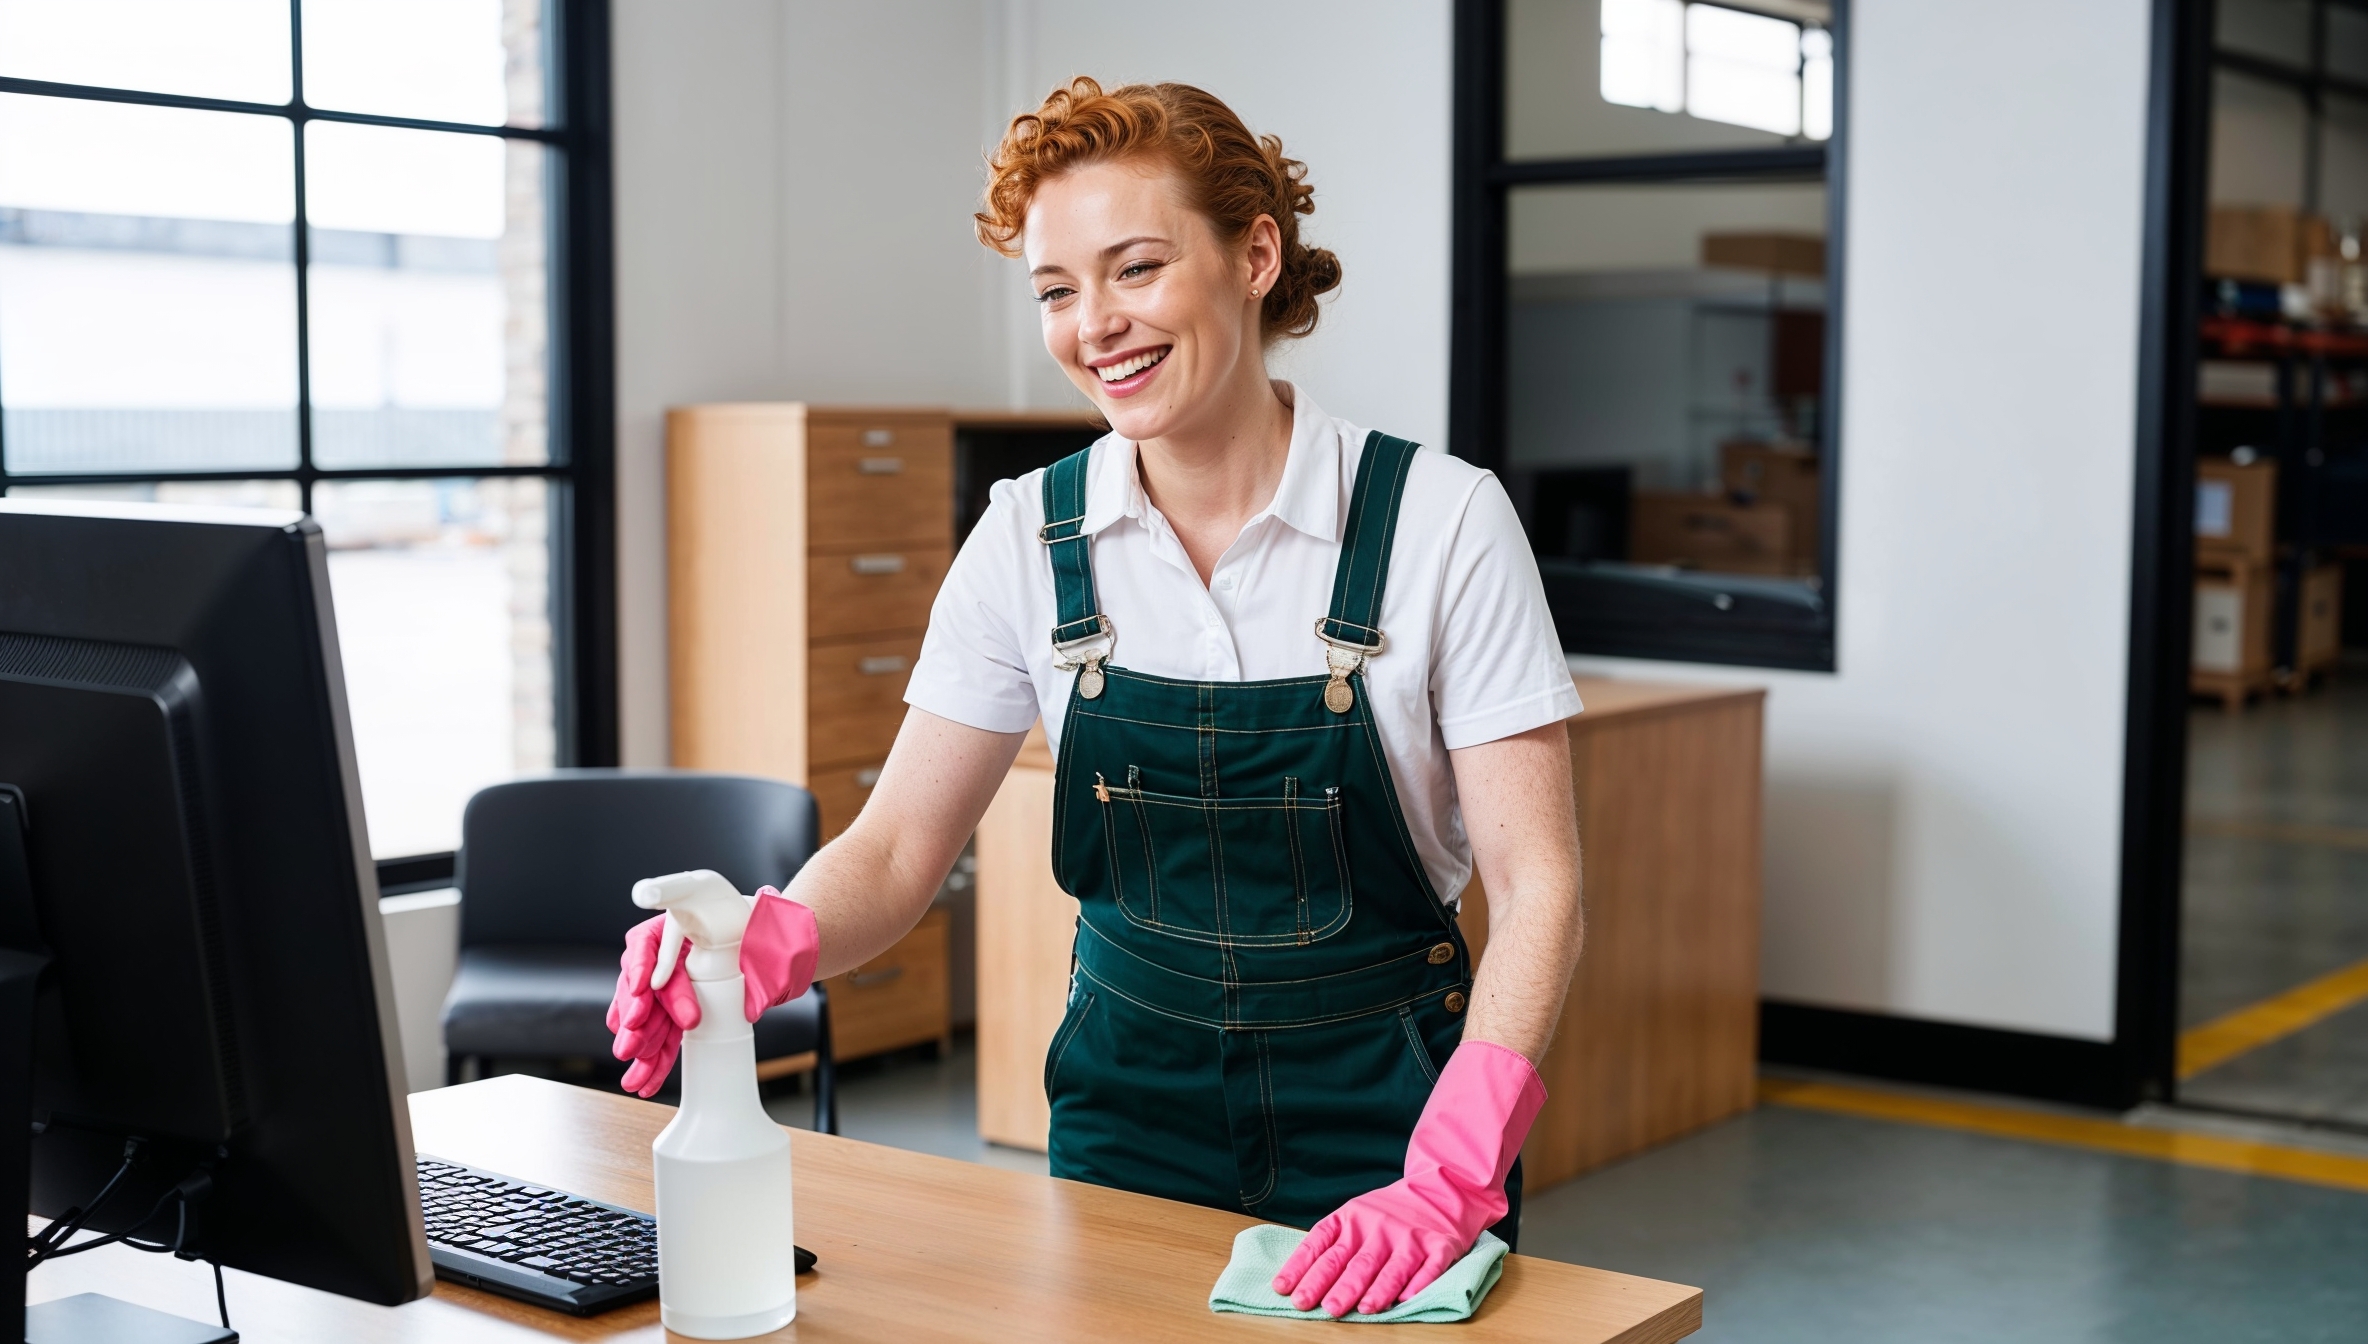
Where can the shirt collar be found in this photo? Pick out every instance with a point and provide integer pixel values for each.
(1307, 498)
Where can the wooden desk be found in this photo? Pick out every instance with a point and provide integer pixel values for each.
(912, 1248)
(1660, 1032)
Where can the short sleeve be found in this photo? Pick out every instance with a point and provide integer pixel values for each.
(971, 670)
(1498, 667)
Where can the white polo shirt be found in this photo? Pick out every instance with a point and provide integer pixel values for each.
(1472, 653)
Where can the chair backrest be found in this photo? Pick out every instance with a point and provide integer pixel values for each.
(553, 859)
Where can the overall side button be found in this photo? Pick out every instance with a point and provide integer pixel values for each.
(1442, 954)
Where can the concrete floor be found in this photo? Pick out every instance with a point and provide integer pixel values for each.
(1804, 1226)
(2276, 892)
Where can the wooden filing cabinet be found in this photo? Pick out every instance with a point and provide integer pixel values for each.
(804, 546)
(1659, 1035)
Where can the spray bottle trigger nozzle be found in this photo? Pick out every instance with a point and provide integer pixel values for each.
(670, 941)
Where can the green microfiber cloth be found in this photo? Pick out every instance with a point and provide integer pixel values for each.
(1247, 1285)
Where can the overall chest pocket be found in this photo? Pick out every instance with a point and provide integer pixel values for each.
(1246, 872)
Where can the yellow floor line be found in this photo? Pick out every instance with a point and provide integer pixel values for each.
(2283, 832)
(2249, 1028)
(2242, 1156)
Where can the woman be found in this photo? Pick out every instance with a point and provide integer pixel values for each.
(1265, 825)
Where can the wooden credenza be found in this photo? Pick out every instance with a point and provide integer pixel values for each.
(1659, 1035)
(804, 546)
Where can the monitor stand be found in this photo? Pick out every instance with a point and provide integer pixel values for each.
(87, 1318)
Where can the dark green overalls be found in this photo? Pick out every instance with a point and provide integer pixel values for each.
(1266, 984)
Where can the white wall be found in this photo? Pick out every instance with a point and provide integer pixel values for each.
(1944, 812)
(697, 150)
(422, 949)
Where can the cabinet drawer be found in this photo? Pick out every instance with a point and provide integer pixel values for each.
(901, 997)
(839, 792)
(886, 480)
(868, 591)
(855, 697)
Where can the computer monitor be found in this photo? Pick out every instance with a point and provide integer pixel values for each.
(192, 968)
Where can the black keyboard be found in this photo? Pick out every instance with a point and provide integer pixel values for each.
(534, 1243)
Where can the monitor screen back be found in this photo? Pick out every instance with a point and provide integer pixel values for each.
(172, 713)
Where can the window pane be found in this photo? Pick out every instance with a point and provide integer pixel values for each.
(1666, 349)
(2277, 29)
(429, 298)
(1644, 54)
(443, 619)
(2347, 42)
(1608, 77)
(147, 296)
(221, 494)
(1817, 84)
(2343, 149)
(478, 61)
(2260, 131)
(1743, 69)
(206, 48)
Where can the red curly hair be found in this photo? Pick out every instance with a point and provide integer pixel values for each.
(1233, 176)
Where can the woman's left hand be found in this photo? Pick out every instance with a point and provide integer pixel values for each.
(1382, 1248)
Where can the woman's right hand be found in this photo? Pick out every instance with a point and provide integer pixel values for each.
(777, 954)
(649, 1023)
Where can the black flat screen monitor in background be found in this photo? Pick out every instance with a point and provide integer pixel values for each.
(183, 858)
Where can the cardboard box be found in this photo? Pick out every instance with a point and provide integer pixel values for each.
(2318, 633)
(2232, 610)
(1796, 253)
(2254, 242)
(1710, 533)
(2235, 510)
(1782, 474)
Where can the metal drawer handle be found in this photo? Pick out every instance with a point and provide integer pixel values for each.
(880, 466)
(882, 665)
(878, 438)
(866, 777)
(877, 564)
(867, 979)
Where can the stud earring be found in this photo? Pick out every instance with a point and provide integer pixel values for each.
(1253, 291)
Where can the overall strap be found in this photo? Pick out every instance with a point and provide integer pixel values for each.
(1355, 617)
(1071, 548)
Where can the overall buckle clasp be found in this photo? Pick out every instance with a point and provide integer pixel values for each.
(1344, 658)
(1072, 655)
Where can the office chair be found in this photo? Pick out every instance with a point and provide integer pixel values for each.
(545, 869)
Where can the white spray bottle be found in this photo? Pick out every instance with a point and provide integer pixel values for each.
(727, 1266)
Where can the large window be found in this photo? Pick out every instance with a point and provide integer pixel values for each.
(345, 256)
(1643, 281)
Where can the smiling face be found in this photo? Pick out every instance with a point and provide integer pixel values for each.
(1145, 308)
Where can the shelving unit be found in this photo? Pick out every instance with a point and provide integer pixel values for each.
(2313, 424)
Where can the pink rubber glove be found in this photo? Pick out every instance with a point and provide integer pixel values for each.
(777, 951)
(649, 1024)
(1379, 1249)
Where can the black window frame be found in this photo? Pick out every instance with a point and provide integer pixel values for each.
(580, 463)
(1676, 628)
